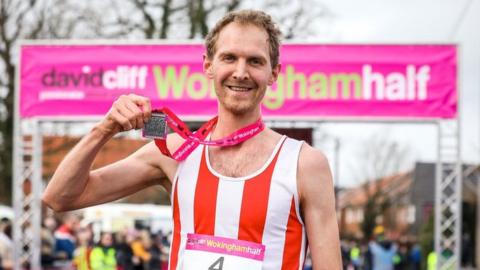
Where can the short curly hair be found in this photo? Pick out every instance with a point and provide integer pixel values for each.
(245, 17)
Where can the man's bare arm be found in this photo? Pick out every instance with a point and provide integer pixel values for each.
(317, 201)
(74, 186)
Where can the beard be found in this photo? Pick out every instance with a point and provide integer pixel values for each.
(239, 106)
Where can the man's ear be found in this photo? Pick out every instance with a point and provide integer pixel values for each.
(275, 72)
(207, 66)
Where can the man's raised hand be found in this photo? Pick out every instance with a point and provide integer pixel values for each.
(127, 112)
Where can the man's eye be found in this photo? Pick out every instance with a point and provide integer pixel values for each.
(228, 58)
(255, 62)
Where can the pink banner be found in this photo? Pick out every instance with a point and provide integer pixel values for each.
(316, 81)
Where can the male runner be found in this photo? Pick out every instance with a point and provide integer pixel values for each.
(248, 206)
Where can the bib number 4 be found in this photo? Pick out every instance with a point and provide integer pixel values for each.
(217, 265)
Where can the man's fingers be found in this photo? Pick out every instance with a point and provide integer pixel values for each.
(135, 115)
(121, 120)
(128, 112)
(144, 104)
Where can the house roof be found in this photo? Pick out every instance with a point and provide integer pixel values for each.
(55, 148)
(392, 186)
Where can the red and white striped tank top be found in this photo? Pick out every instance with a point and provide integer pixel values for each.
(262, 207)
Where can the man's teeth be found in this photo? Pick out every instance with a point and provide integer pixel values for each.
(238, 88)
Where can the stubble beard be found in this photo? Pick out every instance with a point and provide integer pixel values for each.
(238, 107)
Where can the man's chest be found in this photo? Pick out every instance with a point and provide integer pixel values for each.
(239, 163)
(257, 207)
(236, 207)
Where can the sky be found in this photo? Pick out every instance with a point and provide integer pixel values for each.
(408, 21)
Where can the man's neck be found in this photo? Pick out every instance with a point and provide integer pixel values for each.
(229, 123)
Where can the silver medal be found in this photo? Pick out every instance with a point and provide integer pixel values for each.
(156, 127)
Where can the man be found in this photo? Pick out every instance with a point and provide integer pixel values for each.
(248, 206)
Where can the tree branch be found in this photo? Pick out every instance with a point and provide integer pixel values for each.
(167, 11)
(150, 27)
(232, 5)
(3, 83)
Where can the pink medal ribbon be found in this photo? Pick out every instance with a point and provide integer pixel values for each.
(193, 139)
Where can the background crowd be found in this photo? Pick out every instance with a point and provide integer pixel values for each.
(74, 245)
(70, 243)
(382, 254)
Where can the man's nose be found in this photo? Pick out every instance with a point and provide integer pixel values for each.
(241, 72)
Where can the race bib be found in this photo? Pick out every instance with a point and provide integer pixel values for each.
(206, 252)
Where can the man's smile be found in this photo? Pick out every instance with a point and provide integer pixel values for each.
(239, 88)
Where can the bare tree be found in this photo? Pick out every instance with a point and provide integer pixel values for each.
(31, 19)
(301, 19)
(192, 19)
(145, 19)
(378, 158)
(13, 26)
(381, 157)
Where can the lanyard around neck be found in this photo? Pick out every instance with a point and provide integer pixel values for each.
(193, 139)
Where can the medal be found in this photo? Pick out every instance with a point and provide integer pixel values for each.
(156, 129)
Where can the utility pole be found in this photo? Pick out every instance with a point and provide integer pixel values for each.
(336, 173)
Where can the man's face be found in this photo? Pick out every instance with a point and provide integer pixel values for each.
(241, 68)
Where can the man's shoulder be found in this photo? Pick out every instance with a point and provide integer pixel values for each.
(312, 160)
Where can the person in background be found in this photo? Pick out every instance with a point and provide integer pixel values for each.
(47, 245)
(415, 256)
(432, 260)
(165, 248)
(366, 256)
(345, 251)
(383, 251)
(65, 240)
(401, 259)
(143, 248)
(103, 255)
(355, 257)
(155, 253)
(158, 240)
(81, 257)
(6, 244)
(125, 258)
(467, 255)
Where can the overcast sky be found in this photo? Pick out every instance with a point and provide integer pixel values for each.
(409, 21)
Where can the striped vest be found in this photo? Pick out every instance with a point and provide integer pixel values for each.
(262, 207)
